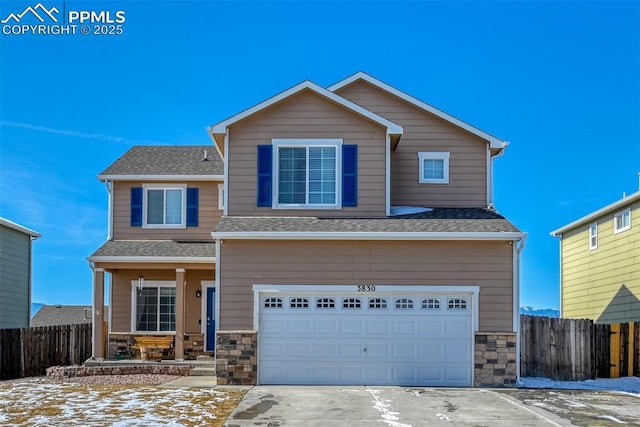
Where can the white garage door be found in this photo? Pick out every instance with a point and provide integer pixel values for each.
(366, 339)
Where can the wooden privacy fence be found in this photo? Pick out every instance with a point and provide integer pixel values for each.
(30, 351)
(578, 349)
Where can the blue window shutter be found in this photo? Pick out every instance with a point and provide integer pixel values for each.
(192, 207)
(136, 206)
(265, 155)
(349, 175)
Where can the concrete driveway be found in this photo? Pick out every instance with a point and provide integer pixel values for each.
(274, 406)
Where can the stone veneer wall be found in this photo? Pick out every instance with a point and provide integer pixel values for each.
(87, 371)
(495, 360)
(236, 357)
(193, 346)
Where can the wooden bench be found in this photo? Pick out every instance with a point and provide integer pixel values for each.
(151, 346)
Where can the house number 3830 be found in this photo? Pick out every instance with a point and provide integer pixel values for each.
(366, 288)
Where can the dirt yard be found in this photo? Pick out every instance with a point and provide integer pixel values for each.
(41, 402)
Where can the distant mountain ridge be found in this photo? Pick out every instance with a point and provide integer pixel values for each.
(531, 311)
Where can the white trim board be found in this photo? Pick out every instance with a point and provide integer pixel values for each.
(337, 235)
(495, 143)
(632, 198)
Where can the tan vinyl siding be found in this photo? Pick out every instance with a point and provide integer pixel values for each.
(487, 264)
(425, 132)
(602, 284)
(121, 296)
(208, 214)
(306, 116)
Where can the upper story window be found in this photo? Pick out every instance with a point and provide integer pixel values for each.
(164, 206)
(434, 167)
(593, 236)
(307, 174)
(622, 221)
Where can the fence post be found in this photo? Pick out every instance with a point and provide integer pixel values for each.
(614, 351)
(630, 349)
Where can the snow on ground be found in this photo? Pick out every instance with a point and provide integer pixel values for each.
(626, 384)
(32, 403)
(406, 210)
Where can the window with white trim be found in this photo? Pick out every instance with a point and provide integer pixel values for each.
(273, 302)
(299, 303)
(154, 306)
(404, 303)
(434, 167)
(351, 303)
(456, 304)
(307, 173)
(220, 196)
(325, 302)
(593, 236)
(164, 206)
(377, 303)
(431, 304)
(622, 221)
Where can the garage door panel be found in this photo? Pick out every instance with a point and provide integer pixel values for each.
(385, 340)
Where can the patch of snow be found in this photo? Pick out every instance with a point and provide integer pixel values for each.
(611, 418)
(382, 405)
(625, 384)
(406, 210)
(442, 417)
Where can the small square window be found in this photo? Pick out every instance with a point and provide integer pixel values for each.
(273, 303)
(593, 236)
(377, 303)
(434, 167)
(622, 221)
(431, 304)
(299, 303)
(325, 303)
(406, 303)
(457, 304)
(351, 303)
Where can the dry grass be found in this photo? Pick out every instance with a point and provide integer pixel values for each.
(40, 403)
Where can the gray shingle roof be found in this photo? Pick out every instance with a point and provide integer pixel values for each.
(155, 248)
(167, 160)
(54, 315)
(471, 220)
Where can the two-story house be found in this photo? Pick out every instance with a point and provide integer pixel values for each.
(358, 244)
(600, 263)
(16, 258)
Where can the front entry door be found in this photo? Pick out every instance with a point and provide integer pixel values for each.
(211, 319)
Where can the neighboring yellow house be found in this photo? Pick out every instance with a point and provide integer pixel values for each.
(600, 264)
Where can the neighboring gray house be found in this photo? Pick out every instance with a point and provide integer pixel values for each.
(15, 274)
(55, 315)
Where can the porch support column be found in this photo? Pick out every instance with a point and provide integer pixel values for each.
(98, 314)
(181, 284)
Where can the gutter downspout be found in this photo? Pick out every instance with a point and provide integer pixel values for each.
(516, 299)
(109, 185)
(490, 160)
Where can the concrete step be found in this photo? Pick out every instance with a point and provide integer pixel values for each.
(203, 372)
(205, 358)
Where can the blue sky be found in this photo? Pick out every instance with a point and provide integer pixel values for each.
(559, 80)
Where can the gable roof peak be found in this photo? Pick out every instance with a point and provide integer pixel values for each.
(221, 127)
(496, 144)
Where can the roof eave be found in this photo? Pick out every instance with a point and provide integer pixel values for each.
(594, 215)
(338, 235)
(151, 259)
(160, 177)
(19, 228)
(494, 143)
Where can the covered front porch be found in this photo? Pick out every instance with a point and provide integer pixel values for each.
(162, 306)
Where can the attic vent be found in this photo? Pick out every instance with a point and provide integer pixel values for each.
(204, 159)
